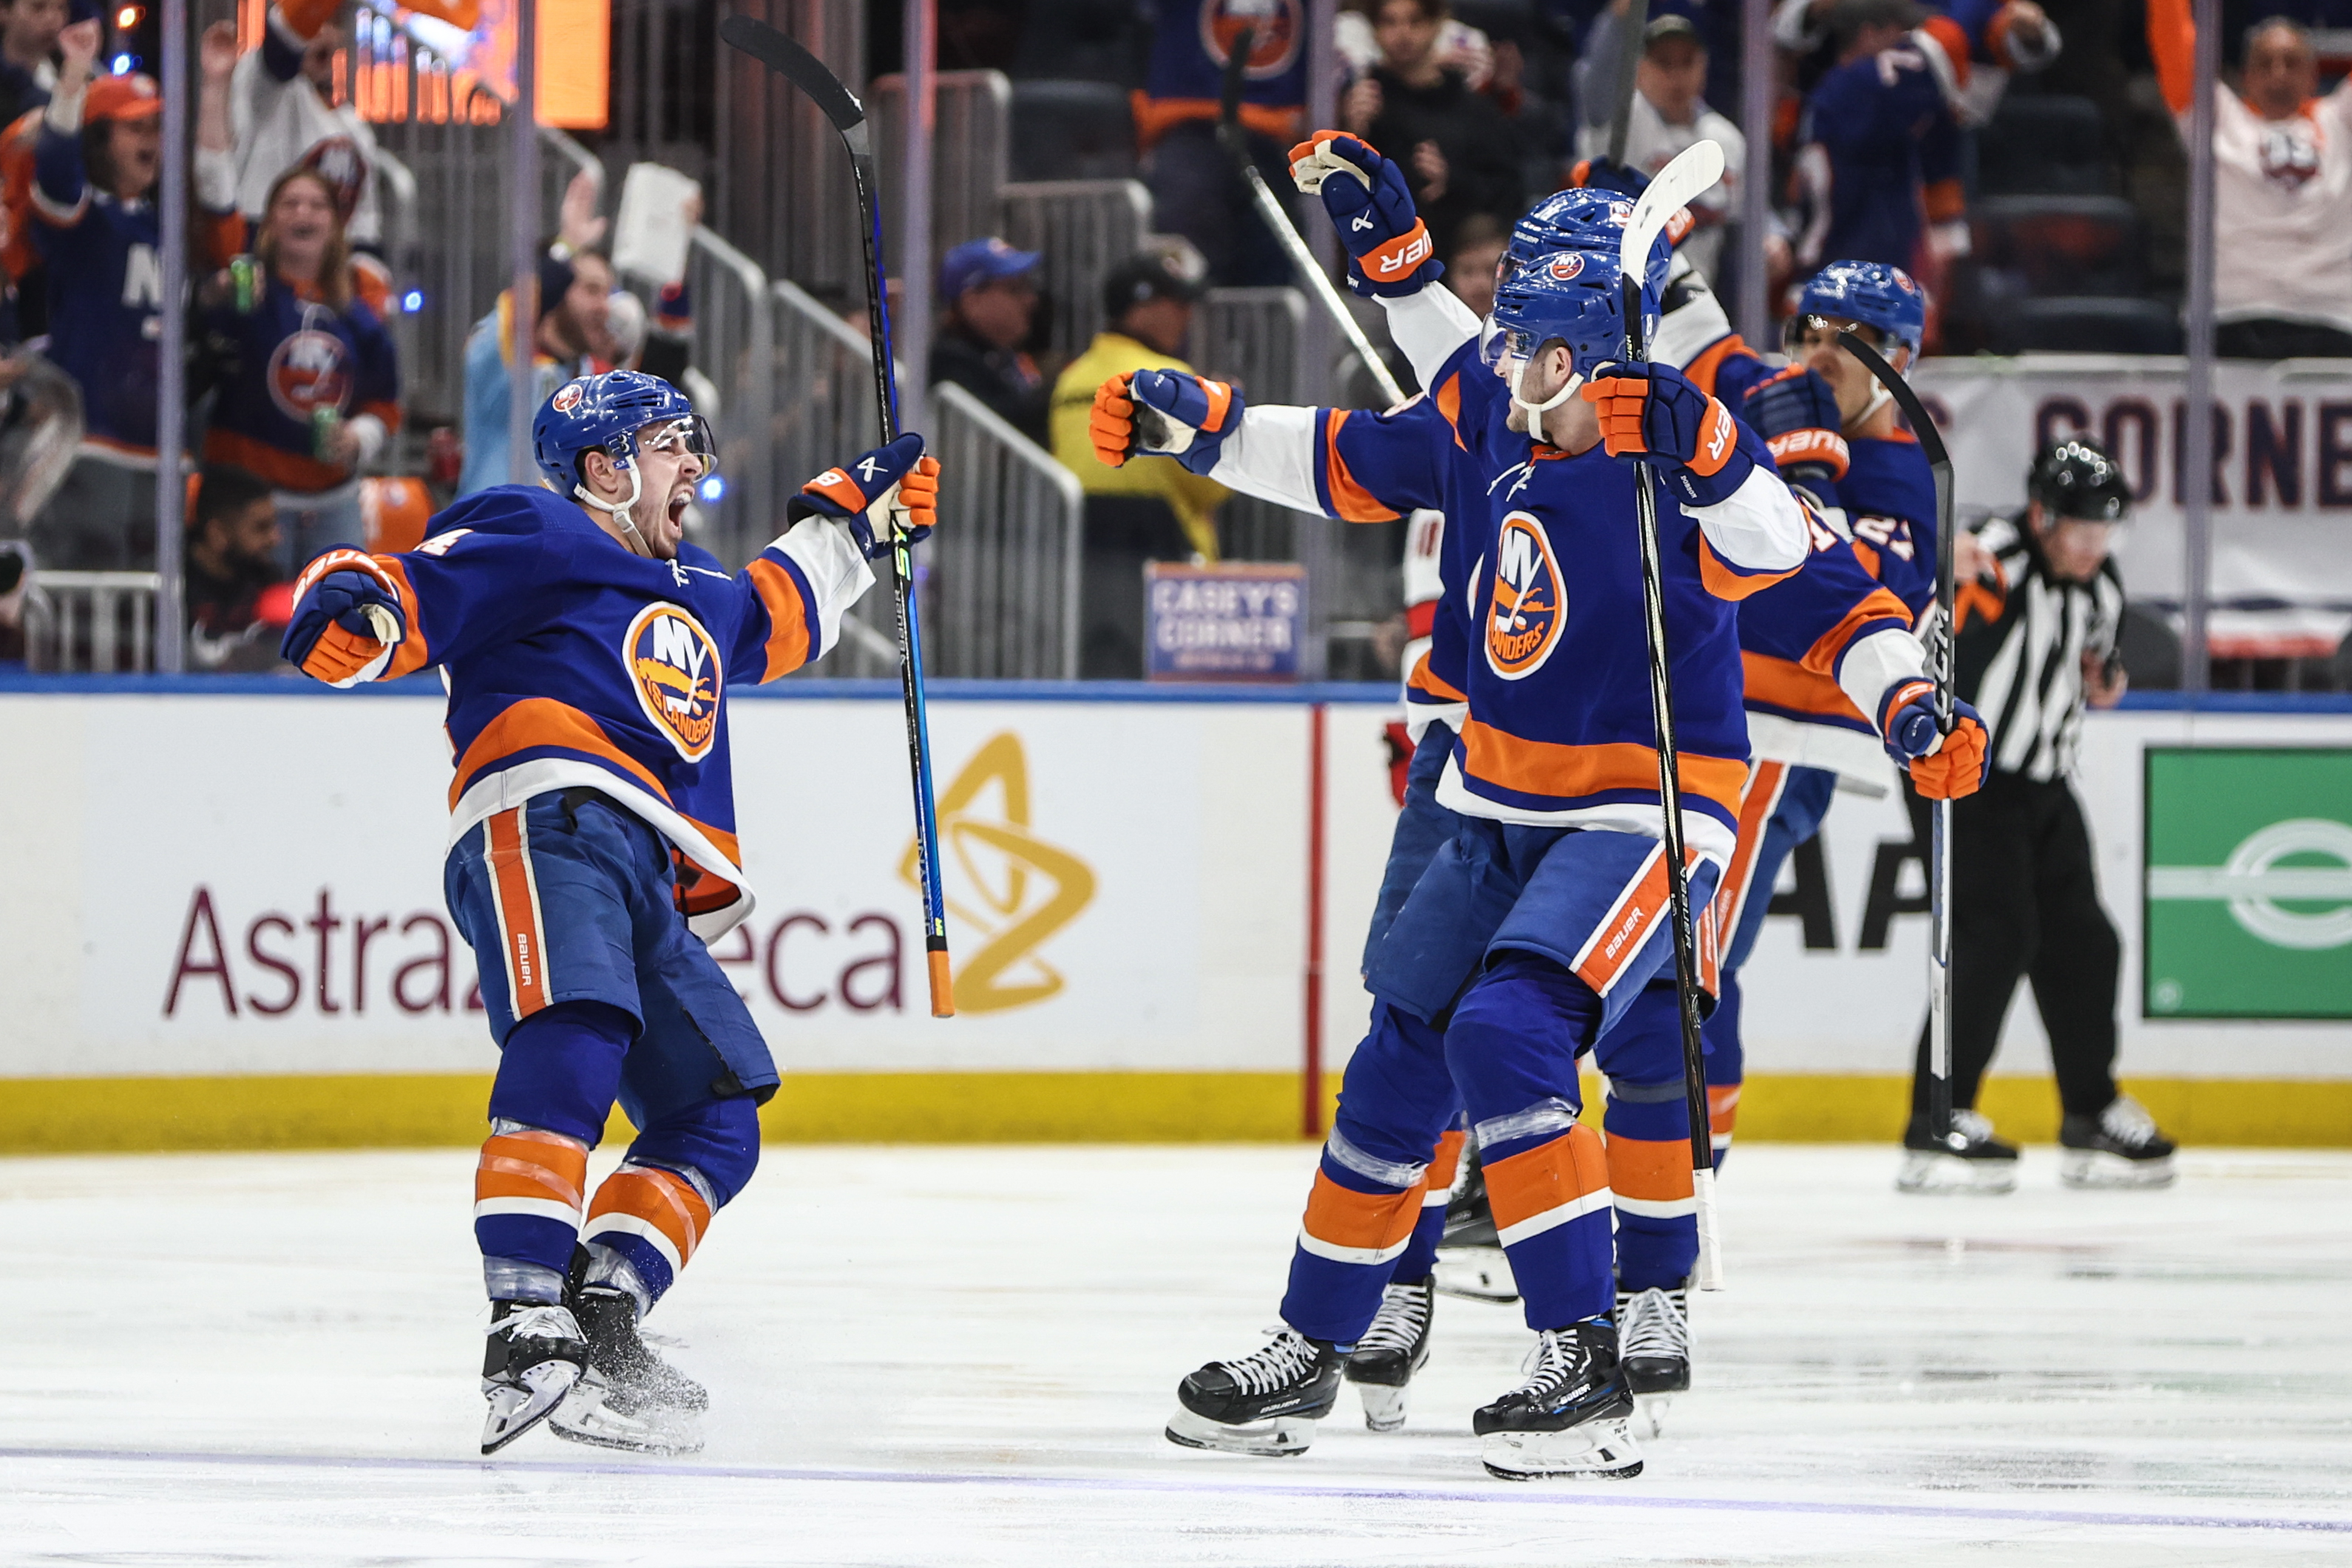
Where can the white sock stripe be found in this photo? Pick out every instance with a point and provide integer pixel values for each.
(1535, 1225)
(604, 1224)
(1436, 1197)
(1339, 1254)
(539, 1207)
(1657, 1208)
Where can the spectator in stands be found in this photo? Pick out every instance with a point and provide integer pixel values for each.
(236, 592)
(27, 38)
(989, 308)
(308, 388)
(660, 344)
(1150, 509)
(1455, 144)
(285, 116)
(1880, 150)
(1194, 190)
(574, 295)
(1668, 115)
(97, 160)
(2282, 190)
(1478, 245)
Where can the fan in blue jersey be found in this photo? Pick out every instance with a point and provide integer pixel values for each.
(587, 650)
(1878, 163)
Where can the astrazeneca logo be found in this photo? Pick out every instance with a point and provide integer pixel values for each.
(1530, 602)
(675, 667)
(2258, 889)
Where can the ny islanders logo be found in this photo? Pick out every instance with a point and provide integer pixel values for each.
(1530, 603)
(1564, 266)
(674, 666)
(308, 370)
(1275, 28)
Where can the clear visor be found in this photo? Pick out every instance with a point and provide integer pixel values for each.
(1504, 349)
(689, 437)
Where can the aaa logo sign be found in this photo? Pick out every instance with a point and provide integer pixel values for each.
(1016, 890)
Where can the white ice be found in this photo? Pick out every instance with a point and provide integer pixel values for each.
(943, 1356)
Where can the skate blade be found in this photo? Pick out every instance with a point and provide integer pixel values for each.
(1932, 1174)
(1277, 1438)
(1383, 1406)
(1650, 1414)
(2097, 1168)
(585, 1418)
(1475, 1273)
(516, 1408)
(1604, 1450)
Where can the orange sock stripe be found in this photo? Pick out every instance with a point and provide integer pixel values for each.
(1722, 1108)
(1534, 1182)
(1341, 1216)
(532, 1164)
(1647, 1168)
(1446, 1160)
(668, 1203)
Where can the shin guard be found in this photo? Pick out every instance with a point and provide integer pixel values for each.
(528, 1188)
(1650, 1178)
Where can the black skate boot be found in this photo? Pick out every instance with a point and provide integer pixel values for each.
(2120, 1148)
(1392, 1351)
(1265, 1403)
(1470, 1260)
(637, 1381)
(1967, 1159)
(533, 1358)
(1654, 1341)
(1569, 1418)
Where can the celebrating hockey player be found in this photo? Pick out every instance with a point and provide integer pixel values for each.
(587, 650)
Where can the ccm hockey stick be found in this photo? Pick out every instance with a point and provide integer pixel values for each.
(1270, 208)
(1679, 182)
(806, 71)
(1940, 655)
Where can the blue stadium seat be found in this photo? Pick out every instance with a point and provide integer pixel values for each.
(2049, 144)
(2047, 245)
(2081, 325)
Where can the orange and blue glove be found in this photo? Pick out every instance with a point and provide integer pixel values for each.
(1797, 414)
(1943, 767)
(1170, 414)
(1389, 248)
(890, 491)
(1655, 411)
(346, 621)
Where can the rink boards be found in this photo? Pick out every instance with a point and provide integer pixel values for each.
(224, 925)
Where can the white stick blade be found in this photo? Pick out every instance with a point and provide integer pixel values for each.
(1691, 176)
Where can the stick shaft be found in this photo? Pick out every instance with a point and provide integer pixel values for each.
(1636, 21)
(1318, 282)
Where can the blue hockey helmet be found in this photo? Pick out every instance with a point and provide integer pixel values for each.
(605, 413)
(1585, 220)
(1878, 296)
(1571, 297)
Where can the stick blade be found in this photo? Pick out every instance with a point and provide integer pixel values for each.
(783, 54)
(1691, 176)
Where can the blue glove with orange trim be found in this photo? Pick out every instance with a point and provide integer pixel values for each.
(881, 495)
(1654, 411)
(1170, 414)
(1797, 414)
(1389, 248)
(342, 622)
(1943, 767)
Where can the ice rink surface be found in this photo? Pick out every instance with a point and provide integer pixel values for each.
(946, 1355)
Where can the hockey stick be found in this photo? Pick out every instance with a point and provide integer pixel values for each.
(1941, 652)
(1270, 208)
(1635, 21)
(1679, 182)
(806, 71)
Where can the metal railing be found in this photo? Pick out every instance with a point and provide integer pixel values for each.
(1003, 590)
(971, 144)
(1084, 228)
(782, 189)
(101, 622)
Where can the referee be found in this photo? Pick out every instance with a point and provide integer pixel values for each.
(2037, 610)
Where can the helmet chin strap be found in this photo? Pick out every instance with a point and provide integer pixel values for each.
(620, 511)
(1535, 410)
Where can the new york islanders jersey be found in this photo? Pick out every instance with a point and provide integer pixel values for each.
(1889, 496)
(295, 354)
(1190, 42)
(570, 662)
(1880, 159)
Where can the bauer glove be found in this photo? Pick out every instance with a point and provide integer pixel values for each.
(1797, 415)
(1654, 411)
(890, 491)
(1943, 767)
(1389, 248)
(347, 620)
(1168, 412)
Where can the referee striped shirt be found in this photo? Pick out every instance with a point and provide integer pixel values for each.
(2022, 638)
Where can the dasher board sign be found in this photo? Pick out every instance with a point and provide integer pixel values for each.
(1235, 620)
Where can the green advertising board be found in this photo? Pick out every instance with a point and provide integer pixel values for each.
(2247, 907)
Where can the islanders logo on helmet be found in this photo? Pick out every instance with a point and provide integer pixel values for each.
(567, 396)
(1567, 264)
(674, 667)
(1530, 602)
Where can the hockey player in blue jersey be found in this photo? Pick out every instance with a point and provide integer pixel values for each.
(587, 650)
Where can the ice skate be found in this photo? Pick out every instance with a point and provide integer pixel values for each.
(2120, 1148)
(1967, 1159)
(1264, 1403)
(1654, 1349)
(1569, 1418)
(534, 1356)
(591, 1414)
(637, 1380)
(1392, 1351)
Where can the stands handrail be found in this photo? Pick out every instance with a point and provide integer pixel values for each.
(63, 608)
(1006, 560)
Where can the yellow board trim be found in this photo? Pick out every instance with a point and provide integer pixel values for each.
(87, 1115)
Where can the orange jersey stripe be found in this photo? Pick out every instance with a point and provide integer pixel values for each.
(1424, 679)
(543, 721)
(1446, 1160)
(1780, 684)
(1648, 1168)
(514, 888)
(274, 465)
(1879, 604)
(1350, 502)
(788, 639)
(667, 1203)
(1342, 1216)
(1722, 1108)
(1701, 372)
(1548, 767)
(1729, 583)
(1536, 1181)
(1765, 782)
(1449, 404)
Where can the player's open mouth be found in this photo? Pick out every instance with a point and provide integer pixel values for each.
(677, 505)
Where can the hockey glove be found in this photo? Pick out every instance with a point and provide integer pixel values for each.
(890, 491)
(345, 621)
(1389, 248)
(1655, 411)
(1797, 415)
(1186, 417)
(1943, 767)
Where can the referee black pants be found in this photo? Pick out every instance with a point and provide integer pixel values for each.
(2025, 905)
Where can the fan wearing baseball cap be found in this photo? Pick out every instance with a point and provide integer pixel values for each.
(988, 309)
(95, 225)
